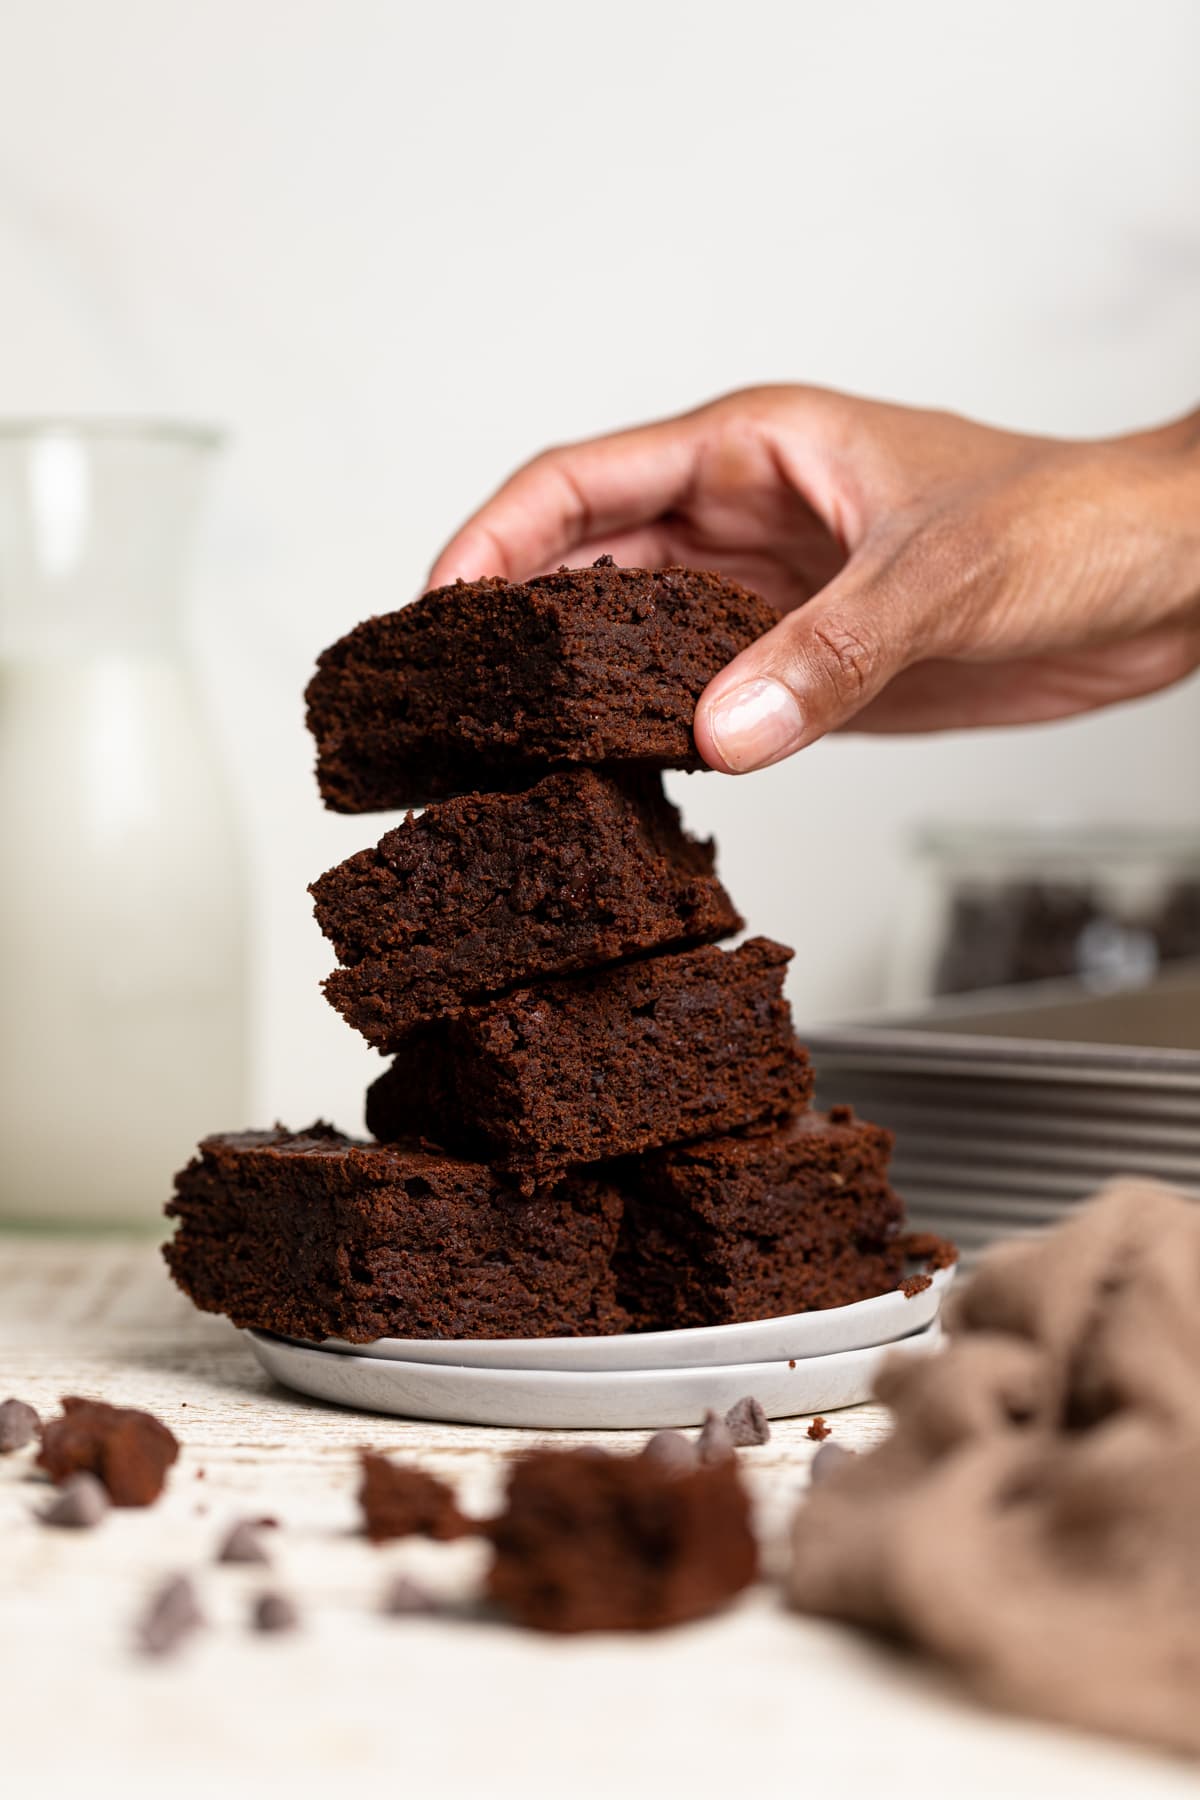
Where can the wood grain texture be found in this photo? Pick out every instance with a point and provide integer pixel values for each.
(756, 1699)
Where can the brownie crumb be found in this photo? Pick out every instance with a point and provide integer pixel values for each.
(791, 1362)
(81, 1503)
(398, 1500)
(915, 1284)
(274, 1612)
(241, 1545)
(403, 1596)
(818, 1431)
(747, 1422)
(129, 1451)
(19, 1425)
(715, 1442)
(670, 1450)
(927, 1247)
(589, 1541)
(172, 1615)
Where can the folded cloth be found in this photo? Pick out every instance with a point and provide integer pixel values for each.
(1034, 1520)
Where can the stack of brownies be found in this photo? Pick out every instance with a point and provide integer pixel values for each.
(594, 1118)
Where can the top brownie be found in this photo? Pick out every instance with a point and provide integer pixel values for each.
(485, 684)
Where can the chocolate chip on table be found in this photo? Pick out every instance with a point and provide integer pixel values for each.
(829, 1458)
(19, 1425)
(747, 1422)
(241, 1544)
(81, 1502)
(818, 1431)
(671, 1450)
(172, 1615)
(715, 1442)
(274, 1612)
(403, 1595)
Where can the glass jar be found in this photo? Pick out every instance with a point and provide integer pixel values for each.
(993, 908)
(122, 903)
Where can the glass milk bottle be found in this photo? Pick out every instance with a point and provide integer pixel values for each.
(122, 912)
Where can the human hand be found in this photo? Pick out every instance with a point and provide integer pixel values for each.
(932, 573)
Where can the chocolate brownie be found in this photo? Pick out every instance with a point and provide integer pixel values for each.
(594, 1542)
(483, 684)
(600, 1065)
(480, 893)
(399, 1500)
(127, 1450)
(737, 1228)
(314, 1235)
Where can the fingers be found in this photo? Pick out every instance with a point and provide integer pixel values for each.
(812, 674)
(568, 497)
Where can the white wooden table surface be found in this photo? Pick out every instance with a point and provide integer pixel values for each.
(757, 1701)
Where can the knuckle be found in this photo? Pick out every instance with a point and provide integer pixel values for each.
(848, 656)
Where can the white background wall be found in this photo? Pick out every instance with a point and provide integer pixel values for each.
(397, 249)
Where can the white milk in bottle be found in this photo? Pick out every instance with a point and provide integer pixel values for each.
(122, 907)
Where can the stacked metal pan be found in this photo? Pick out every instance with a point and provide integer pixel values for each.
(1011, 1108)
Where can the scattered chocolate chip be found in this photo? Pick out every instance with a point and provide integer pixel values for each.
(19, 1425)
(274, 1612)
(715, 1443)
(828, 1458)
(403, 1595)
(172, 1615)
(818, 1431)
(81, 1502)
(671, 1450)
(241, 1545)
(129, 1451)
(747, 1422)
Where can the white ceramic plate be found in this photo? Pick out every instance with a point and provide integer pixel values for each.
(570, 1400)
(856, 1327)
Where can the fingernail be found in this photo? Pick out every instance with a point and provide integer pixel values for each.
(755, 724)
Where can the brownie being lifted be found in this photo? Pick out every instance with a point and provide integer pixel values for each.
(571, 1071)
(483, 684)
(756, 1227)
(315, 1235)
(484, 892)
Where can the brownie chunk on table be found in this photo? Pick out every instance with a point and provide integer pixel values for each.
(483, 892)
(400, 1500)
(594, 1542)
(483, 684)
(738, 1228)
(127, 1450)
(314, 1235)
(601, 1065)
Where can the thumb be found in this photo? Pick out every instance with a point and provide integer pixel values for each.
(812, 673)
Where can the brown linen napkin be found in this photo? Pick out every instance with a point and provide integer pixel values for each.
(1034, 1521)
